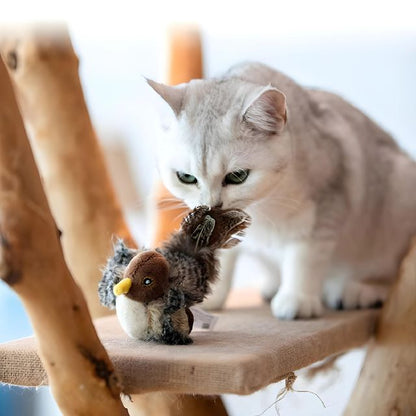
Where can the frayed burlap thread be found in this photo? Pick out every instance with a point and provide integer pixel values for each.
(289, 382)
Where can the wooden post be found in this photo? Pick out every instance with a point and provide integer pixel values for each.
(80, 373)
(44, 68)
(387, 383)
(185, 54)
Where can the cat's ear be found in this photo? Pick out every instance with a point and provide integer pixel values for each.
(172, 95)
(267, 111)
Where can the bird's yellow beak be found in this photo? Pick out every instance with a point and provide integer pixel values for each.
(122, 287)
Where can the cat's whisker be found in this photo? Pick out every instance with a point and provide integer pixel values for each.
(271, 197)
(167, 199)
(182, 208)
(285, 202)
(286, 198)
(293, 204)
(145, 201)
(287, 206)
(180, 215)
(171, 203)
(267, 218)
(246, 201)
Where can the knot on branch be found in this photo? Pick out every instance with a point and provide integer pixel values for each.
(11, 60)
(8, 272)
(103, 370)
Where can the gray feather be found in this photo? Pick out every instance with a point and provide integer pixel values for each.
(113, 273)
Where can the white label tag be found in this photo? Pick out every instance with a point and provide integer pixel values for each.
(203, 321)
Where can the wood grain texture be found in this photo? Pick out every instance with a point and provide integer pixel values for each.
(33, 265)
(387, 383)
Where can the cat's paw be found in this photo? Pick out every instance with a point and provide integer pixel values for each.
(291, 305)
(354, 294)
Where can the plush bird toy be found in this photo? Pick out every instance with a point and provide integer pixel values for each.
(152, 290)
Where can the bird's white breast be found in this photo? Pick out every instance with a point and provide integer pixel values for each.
(132, 316)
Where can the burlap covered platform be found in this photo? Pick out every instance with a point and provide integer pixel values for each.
(247, 350)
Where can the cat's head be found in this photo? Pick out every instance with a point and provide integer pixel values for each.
(228, 145)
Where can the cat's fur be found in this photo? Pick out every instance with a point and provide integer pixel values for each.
(332, 196)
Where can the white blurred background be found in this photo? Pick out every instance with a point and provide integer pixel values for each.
(363, 50)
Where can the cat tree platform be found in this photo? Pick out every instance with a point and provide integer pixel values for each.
(246, 350)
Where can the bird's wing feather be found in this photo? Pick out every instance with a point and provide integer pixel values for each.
(113, 273)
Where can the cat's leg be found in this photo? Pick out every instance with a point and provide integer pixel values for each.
(222, 286)
(270, 287)
(343, 292)
(304, 267)
(272, 278)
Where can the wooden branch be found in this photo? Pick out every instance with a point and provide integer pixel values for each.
(44, 68)
(171, 404)
(80, 373)
(387, 383)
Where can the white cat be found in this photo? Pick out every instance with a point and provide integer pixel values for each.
(331, 195)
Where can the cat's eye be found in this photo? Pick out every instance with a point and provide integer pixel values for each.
(147, 281)
(237, 177)
(186, 178)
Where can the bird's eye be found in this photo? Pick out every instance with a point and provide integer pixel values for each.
(186, 178)
(147, 281)
(237, 177)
